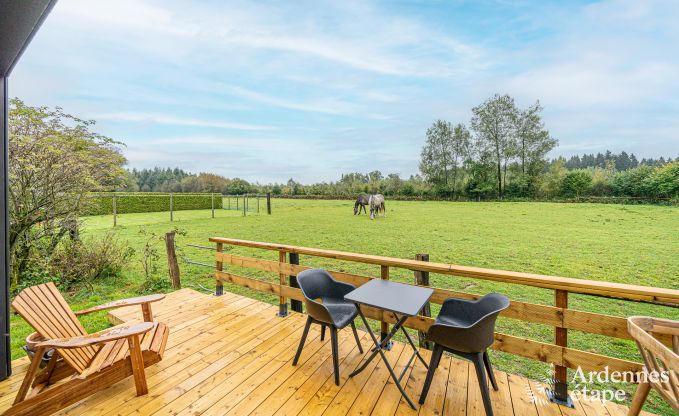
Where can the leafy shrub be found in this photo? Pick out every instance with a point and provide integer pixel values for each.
(102, 203)
(76, 262)
(576, 183)
(665, 180)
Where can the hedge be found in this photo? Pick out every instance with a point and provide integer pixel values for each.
(129, 202)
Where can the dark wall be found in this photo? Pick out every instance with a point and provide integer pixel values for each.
(5, 350)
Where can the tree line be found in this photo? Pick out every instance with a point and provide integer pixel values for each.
(500, 153)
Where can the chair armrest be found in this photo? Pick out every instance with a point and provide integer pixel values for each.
(343, 287)
(141, 300)
(101, 337)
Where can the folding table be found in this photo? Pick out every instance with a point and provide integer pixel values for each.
(403, 301)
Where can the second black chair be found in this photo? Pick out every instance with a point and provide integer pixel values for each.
(332, 311)
(466, 328)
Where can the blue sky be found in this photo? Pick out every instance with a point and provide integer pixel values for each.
(272, 90)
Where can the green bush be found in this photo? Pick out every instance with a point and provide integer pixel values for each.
(130, 202)
(576, 183)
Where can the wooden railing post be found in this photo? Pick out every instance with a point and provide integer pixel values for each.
(560, 393)
(295, 305)
(422, 279)
(384, 327)
(219, 286)
(283, 302)
(172, 264)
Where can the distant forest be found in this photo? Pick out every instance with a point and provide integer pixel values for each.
(605, 174)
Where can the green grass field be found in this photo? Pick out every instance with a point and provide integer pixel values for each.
(616, 243)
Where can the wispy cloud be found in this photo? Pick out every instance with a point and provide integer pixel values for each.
(314, 88)
(177, 121)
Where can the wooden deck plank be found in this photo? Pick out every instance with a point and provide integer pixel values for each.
(371, 392)
(391, 396)
(283, 384)
(181, 358)
(224, 364)
(309, 388)
(523, 401)
(221, 393)
(437, 392)
(455, 403)
(231, 355)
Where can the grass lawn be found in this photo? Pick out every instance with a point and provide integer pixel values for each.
(617, 243)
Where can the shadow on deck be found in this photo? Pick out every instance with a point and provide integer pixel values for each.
(232, 355)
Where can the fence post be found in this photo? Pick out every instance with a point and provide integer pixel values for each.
(228, 201)
(172, 261)
(560, 392)
(219, 286)
(213, 204)
(244, 203)
(171, 213)
(295, 305)
(237, 200)
(283, 304)
(384, 327)
(422, 279)
(258, 203)
(115, 210)
(268, 203)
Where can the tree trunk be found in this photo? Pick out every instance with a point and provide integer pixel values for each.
(499, 178)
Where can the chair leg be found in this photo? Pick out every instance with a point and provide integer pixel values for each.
(322, 332)
(483, 384)
(301, 342)
(358, 341)
(489, 369)
(435, 360)
(137, 360)
(639, 398)
(335, 353)
(30, 375)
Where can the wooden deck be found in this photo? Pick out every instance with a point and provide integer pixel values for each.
(232, 355)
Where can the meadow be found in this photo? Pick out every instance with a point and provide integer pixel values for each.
(637, 244)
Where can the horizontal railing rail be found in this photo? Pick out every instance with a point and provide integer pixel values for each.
(559, 316)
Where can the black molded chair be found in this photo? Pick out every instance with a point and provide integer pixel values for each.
(466, 328)
(332, 310)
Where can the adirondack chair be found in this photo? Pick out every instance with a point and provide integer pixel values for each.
(657, 358)
(82, 363)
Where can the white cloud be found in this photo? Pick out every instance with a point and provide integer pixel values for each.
(180, 121)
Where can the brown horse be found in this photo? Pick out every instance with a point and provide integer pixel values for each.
(360, 204)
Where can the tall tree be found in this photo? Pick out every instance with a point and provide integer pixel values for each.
(534, 142)
(55, 159)
(437, 154)
(494, 125)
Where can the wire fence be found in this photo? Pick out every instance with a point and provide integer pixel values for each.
(247, 203)
(173, 202)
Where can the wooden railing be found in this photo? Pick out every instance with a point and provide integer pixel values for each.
(559, 316)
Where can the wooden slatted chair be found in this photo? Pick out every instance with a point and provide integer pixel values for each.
(658, 359)
(82, 363)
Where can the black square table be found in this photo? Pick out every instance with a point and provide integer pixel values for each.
(403, 301)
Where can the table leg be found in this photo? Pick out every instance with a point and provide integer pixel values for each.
(379, 347)
(412, 344)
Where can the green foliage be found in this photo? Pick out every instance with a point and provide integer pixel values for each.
(665, 180)
(576, 183)
(54, 160)
(102, 203)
